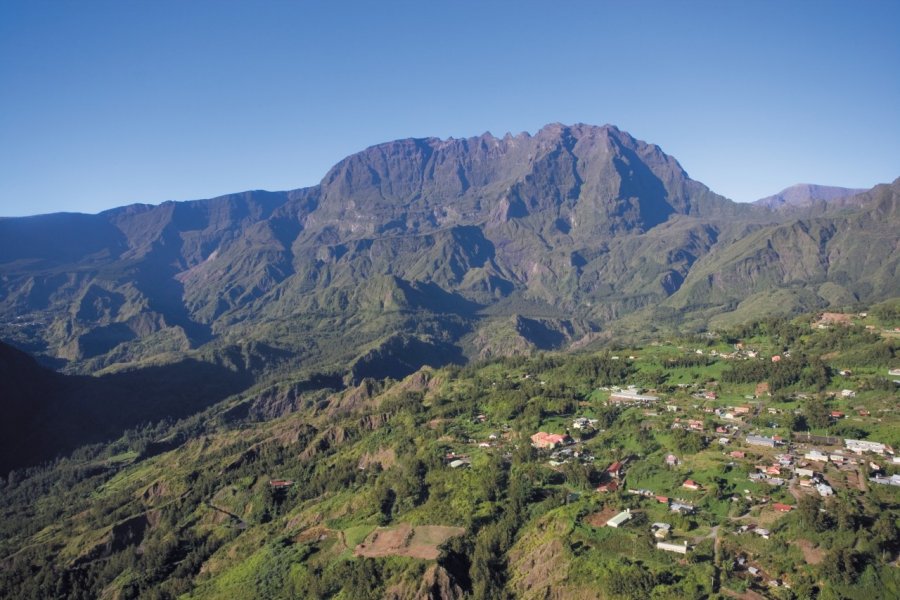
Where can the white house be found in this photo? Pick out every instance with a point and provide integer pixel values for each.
(860, 446)
(620, 519)
(816, 456)
(673, 547)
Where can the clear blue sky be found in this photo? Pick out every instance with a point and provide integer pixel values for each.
(109, 103)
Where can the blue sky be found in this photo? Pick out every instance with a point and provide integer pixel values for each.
(110, 103)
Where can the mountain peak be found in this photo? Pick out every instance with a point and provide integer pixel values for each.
(806, 194)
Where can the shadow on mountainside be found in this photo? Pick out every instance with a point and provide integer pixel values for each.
(52, 414)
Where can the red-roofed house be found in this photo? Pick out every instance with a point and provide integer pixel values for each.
(691, 485)
(615, 469)
(782, 507)
(609, 486)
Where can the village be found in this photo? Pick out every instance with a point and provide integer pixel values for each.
(741, 467)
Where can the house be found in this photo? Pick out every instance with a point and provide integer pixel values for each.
(816, 456)
(583, 423)
(542, 439)
(894, 372)
(279, 484)
(836, 414)
(860, 446)
(672, 460)
(758, 440)
(753, 571)
(892, 480)
(741, 410)
(864, 413)
(737, 454)
(776, 359)
(782, 507)
(620, 519)
(824, 490)
(662, 499)
(608, 486)
(802, 472)
(773, 470)
(615, 470)
(691, 485)
(695, 424)
(672, 547)
(763, 533)
(681, 507)
(660, 530)
(455, 464)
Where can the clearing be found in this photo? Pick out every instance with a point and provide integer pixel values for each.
(421, 541)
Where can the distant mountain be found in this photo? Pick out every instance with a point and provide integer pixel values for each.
(423, 251)
(807, 194)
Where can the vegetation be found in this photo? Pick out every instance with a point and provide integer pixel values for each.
(431, 482)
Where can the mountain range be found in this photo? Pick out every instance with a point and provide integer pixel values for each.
(430, 251)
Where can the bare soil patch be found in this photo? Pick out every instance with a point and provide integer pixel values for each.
(813, 555)
(421, 541)
(599, 519)
(386, 457)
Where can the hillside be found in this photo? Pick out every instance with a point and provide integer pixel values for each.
(431, 487)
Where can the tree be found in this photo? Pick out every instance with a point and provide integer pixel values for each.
(816, 413)
(811, 515)
(885, 534)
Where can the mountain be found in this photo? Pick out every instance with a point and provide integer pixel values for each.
(422, 251)
(807, 194)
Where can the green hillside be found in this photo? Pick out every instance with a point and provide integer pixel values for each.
(430, 487)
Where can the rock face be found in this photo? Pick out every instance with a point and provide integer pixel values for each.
(418, 251)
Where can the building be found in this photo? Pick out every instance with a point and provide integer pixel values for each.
(681, 507)
(860, 446)
(758, 440)
(816, 456)
(620, 519)
(782, 507)
(824, 490)
(608, 486)
(615, 470)
(660, 530)
(892, 480)
(631, 396)
(673, 547)
(691, 485)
